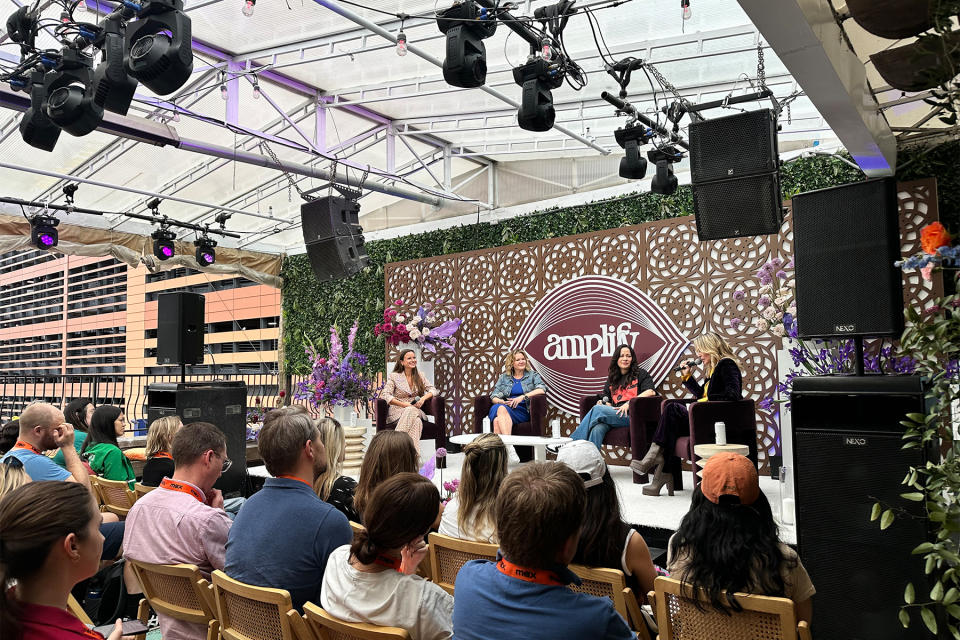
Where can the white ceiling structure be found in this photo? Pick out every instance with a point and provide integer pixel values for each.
(334, 93)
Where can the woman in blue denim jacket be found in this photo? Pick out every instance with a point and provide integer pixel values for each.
(517, 383)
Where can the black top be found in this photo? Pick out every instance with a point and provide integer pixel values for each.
(726, 382)
(643, 382)
(341, 497)
(155, 470)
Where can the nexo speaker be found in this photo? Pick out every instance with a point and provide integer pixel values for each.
(222, 403)
(333, 237)
(848, 454)
(180, 328)
(846, 240)
(735, 177)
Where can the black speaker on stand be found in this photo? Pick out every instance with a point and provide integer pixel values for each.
(222, 403)
(333, 237)
(848, 454)
(180, 328)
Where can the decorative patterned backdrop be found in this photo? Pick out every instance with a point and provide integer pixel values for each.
(495, 289)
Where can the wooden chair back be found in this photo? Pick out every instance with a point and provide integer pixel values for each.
(247, 612)
(448, 554)
(77, 610)
(606, 583)
(114, 495)
(357, 528)
(326, 627)
(762, 617)
(141, 489)
(636, 620)
(179, 591)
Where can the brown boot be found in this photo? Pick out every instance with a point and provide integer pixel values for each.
(653, 458)
(660, 478)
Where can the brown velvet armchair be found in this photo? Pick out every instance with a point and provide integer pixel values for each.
(644, 415)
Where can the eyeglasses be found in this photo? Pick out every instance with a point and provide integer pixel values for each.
(14, 462)
(227, 462)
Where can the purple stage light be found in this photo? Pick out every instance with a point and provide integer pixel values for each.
(208, 258)
(47, 240)
(167, 251)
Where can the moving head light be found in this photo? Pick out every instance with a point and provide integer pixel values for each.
(36, 128)
(113, 87)
(664, 183)
(70, 104)
(538, 77)
(159, 51)
(633, 165)
(466, 25)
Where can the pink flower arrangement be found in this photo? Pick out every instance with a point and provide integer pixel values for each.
(431, 325)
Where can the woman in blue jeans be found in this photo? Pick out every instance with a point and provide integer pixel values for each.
(626, 380)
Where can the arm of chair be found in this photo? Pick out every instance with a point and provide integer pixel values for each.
(587, 403)
(803, 630)
(636, 621)
(299, 626)
(382, 410)
(481, 407)
(644, 416)
(438, 410)
(538, 413)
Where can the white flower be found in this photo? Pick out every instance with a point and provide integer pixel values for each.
(766, 288)
(769, 313)
(760, 323)
(426, 332)
(779, 316)
(414, 334)
(792, 309)
(412, 327)
(781, 299)
(400, 317)
(778, 330)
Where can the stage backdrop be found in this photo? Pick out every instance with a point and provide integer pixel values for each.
(669, 287)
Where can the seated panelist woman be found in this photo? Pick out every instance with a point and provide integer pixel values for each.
(626, 380)
(406, 391)
(517, 383)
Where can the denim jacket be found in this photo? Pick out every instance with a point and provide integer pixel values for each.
(531, 380)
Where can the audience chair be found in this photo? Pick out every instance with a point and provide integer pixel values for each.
(142, 490)
(448, 554)
(739, 417)
(637, 620)
(606, 583)
(179, 591)
(77, 610)
(536, 427)
(114, 495)
(356, 527)
(644, 416)
(436, 430)
(326, 627)
(762, 616)
(246, 612)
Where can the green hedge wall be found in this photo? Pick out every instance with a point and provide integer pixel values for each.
(311, 307)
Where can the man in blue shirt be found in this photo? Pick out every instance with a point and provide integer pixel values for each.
(284, 533)
(42, 428)
(524, 594)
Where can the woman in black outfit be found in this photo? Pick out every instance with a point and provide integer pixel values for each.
(159, 463)
(724, 382)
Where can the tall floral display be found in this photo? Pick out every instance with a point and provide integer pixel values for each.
(336, 379)
(431, 326)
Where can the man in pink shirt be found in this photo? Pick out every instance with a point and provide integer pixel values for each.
(183, 520)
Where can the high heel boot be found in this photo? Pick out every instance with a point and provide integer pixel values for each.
(660, 478)
(653, 458)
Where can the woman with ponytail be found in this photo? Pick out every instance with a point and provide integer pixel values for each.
(469, 514)
(49, 541)
(373, 580)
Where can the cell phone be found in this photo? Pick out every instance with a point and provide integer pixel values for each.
(130, 628)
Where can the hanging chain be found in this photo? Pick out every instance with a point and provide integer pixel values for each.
(291, 183)
(761, 72)
(666, 84)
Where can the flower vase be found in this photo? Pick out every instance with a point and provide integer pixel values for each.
(342, 414)
(424, 366)
(784, 366)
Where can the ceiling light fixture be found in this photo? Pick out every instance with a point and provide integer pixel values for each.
(205, 254)
(43, 231)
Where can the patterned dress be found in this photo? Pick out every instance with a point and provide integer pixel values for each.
(409, 419)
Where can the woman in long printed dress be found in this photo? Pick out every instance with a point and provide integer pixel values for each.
(406, 391)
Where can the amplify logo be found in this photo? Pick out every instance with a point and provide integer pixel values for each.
(572, 332)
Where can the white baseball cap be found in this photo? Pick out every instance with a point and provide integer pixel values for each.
(583, 457)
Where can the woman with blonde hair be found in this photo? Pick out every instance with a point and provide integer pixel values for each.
(406, 391)
(12, 475)
(470, 513)
(724, 381)
(517, 383)
(389, 453)
(159, 463)
(332, 486)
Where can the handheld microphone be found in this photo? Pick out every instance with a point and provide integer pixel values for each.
(690, 363)
(606, 400)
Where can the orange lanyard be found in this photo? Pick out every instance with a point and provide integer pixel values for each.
(387, 561)
(540, 576)
(23, 444)
(173, 485)
(162, 454)
(289, 477)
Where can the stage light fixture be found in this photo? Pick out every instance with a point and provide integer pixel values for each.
(160, 54)
(633, 165)
(163, 243)
(248, 6)
(205, 254)
(466, 25)
(537, 77)
(36, 128)
(664, 183)
(70, 94)
(43, 231)
(113, 87)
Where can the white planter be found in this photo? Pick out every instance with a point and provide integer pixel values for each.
(784, 366)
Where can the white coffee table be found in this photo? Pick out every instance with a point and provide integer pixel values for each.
(538, 443)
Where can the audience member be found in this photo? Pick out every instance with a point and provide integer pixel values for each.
(8, 435)
(101, 450)
(50, 542)
(293, 453)
(470, 512)
(373, 580)
(524, 594)
(41, 428)
(78, 413)
(183, 521)
(159, 463)
(332, 486)
(387, 455)
(728, 541)
(606, 540)
(12, 476)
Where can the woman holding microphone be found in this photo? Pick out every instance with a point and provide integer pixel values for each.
(406, 391)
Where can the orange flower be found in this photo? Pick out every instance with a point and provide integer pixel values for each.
(933, 236)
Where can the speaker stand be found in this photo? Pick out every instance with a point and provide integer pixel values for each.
(183, 368)
(858, 354)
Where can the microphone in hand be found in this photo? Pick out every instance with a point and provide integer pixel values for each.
(689, 363)
(606, 400)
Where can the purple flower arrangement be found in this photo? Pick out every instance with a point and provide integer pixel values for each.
(337, 379)
(428, 325)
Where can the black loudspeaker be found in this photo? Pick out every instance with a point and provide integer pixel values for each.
(180, 328)
(846, 240)
(333, 237)
(222, 403)
(734, 175)
(847, 455)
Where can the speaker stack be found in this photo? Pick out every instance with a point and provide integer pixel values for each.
(180, 328)
(333, 237)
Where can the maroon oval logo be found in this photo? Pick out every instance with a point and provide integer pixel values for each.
(571, 333)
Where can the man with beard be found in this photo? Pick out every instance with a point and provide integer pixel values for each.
(42, 428)
(287, 511)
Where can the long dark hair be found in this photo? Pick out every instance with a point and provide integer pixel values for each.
(618, 380)
(400, 510)
(604, 531)
(32, 519)
(76, 413)
(102, 426)
(730, 547)
(418, 387)
(389, 453)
